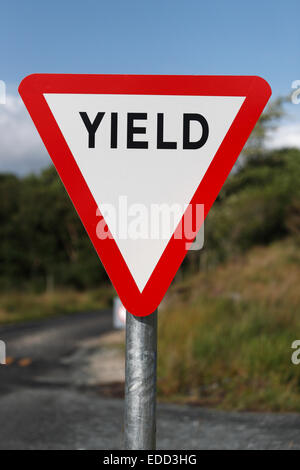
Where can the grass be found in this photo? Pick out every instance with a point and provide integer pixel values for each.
(225, 336)
(18, 307)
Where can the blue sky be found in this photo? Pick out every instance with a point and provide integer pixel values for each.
(154, 36)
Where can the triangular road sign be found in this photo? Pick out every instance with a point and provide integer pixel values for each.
(130, 148)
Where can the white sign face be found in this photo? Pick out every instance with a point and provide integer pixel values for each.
(140, 151)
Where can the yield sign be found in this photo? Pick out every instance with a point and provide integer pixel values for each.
(137, 155)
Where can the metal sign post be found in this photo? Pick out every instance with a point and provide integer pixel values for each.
(140, 382)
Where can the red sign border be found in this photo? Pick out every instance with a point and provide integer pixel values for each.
(256, 91)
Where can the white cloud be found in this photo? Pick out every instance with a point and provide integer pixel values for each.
(21, 148)
(287, 135)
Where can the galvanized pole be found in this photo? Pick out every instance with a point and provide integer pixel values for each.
(140, 382)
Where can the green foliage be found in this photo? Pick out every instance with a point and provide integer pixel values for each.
(43, 243)
(268, 121)
(258, 204)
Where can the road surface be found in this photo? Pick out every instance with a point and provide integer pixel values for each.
(46, 404)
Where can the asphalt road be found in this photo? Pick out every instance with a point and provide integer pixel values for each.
(38, 349)
(43, 405)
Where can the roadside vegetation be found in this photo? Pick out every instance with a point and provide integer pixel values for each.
(225, 335)
(22, 306)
